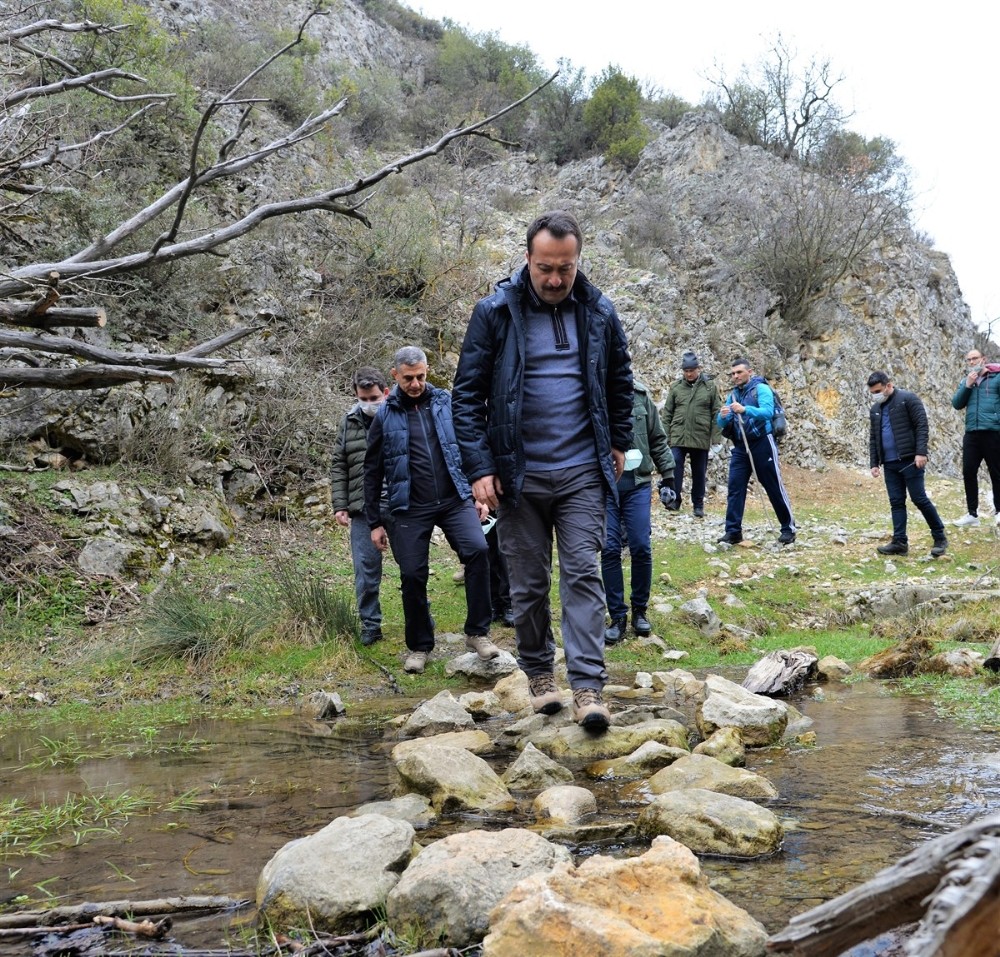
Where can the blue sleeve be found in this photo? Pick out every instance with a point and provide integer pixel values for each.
(764, 409)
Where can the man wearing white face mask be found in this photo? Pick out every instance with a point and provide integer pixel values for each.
(348, 494)
(897, 447)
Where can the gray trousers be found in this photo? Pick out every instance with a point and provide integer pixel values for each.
(570, 503)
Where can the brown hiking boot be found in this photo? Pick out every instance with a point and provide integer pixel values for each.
(482, 646)
(415, 662)
(589, 710)
(545, 695)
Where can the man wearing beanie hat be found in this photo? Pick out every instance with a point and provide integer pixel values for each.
(689, 419)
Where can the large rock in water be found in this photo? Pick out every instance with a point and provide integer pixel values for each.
(453, 884)
(702, 771)
(761, 720)
(655, 905)
(454, 778)
(439, 715)
(333, 879)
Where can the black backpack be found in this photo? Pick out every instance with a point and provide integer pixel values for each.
(779, 421)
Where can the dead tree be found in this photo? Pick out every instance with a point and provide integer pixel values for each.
(35, 161)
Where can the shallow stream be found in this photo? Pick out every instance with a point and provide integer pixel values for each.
(886, 774)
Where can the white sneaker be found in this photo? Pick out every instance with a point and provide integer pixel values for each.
(965, 520)
(997, 520)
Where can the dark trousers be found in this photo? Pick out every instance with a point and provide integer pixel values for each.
(699, 472)
(628, 524)
(982, 445)
(902, 477)
(411, 542)
(765, 463)
(499, 579)
(570, 503)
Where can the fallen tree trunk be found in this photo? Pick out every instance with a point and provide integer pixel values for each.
(55, 916)
(781, 672)
(21, 314)
(951, 885)
(993, 658)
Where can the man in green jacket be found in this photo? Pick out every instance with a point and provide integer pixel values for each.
(628, 518)
(348, 494)
(689, 420)
(979, 394)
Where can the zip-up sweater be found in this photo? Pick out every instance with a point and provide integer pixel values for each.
(981, 403)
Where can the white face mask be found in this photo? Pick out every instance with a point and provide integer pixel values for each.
(878, 398)
(369, 406)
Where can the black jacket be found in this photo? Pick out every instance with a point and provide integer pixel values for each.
(486, 395)
(908, 419)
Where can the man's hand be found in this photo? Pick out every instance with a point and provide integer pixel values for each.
(342, 517)
(920, 461)
(714, 451)
(482, 511)
(486, 490)
(667, 494)
(619, 460)
(875, 472)
(738, 407)
(379, 539)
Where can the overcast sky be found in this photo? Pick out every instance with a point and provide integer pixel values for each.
(923, 77)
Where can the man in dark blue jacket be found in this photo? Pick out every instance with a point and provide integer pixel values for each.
(543, 414)
(746, 419)
(412, 449)
(897, 441)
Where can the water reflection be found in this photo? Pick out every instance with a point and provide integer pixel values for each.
(886, 775)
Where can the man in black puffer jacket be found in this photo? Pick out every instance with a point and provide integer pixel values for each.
(897, 441)
(543, 414)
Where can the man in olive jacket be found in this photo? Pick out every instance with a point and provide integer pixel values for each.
(348, 493)
(629, 520)
(689, 420)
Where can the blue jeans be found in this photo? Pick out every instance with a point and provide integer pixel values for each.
(902, 477)
(699, 473)
(367, 575)
(628, 523)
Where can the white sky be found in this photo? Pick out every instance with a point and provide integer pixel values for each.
(923, 76)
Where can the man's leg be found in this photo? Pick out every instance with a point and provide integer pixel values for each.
(765, 457)
(367, 579)
(736, 493)
(410, 542)
(460, 524)
(991, 452)
(699, 476)
(635, 508)
(918, 494)
(526, 542)
(972, 457)
(611, 560)
(679, 454)
(895, 486)
(579, 521)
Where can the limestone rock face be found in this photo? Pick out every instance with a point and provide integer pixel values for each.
(453, 777)
(702, 771)
(453, 884)
(442, 713)
(648, 906)
(712, 823)
(761, 720)
(334, 877)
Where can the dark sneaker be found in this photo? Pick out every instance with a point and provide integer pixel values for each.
(415, 662)
(893, 548)
(508, 618)
(370, 637)
(730, 538)
(699, 512)
(674, 506)
(589, 710)
(786, 538)
(940, 547)
(640, 623)
(615, 632)
(482, 646)
(545, 695)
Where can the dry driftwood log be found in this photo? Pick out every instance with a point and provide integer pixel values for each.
(83, 912)
(951, 885)
(993, 658)
(781, 672)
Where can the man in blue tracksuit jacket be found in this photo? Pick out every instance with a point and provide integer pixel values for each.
(749, 409)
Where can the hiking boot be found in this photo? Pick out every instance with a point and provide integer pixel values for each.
(967, 520)
(370, 637)
(673, 507)
(940, 547)
(459, 577)
(545, 695)
(415, 662)
(893, 548)
(589, 710)
(640, 623)
(699, 512)
(482, 646)
(731, 538)
(615, 632)
(786, 538)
